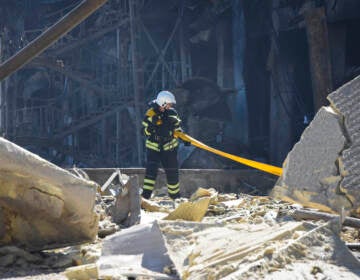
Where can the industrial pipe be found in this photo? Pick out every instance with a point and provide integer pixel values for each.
(48, 37)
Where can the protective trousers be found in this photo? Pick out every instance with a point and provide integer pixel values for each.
(168, 160)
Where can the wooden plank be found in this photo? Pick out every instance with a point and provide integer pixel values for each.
(301, 214)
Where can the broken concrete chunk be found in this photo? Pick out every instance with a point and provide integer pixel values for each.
(190, 211)
(82, 272)
(346, 100)
(351, 160)
(311, 161)
(45, 202)
(323, 170)
(138, 251)
(350, 186)
(127, 206)
(152, 206)
(41, 205)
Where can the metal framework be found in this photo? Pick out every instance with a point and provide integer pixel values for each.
(91, 111)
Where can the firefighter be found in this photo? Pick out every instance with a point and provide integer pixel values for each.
(159, 124)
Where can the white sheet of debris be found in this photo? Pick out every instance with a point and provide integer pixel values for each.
(199, 250)
(136, 251)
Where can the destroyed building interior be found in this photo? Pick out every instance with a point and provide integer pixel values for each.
(268, 92)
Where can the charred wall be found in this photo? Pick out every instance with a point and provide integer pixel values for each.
(296, 53)
(81, 90)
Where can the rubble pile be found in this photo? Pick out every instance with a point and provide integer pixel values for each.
(16, 262)
(238, 236)
(210, 235)
(234, 236)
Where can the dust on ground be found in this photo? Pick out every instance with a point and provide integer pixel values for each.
(239, 237)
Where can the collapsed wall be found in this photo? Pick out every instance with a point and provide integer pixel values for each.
(41, 205)
(322, 170)
(346, 101)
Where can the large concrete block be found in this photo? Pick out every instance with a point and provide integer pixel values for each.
(127, 208)
(331, 140)
(310, 171)
(41, 205)
(351, 160)
(138, 251)
(346, 100)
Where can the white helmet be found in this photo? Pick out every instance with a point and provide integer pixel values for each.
(165, 97)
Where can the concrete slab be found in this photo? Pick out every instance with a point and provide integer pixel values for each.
(311, 162)
(346, 100)
(136, 251)
(41, 205)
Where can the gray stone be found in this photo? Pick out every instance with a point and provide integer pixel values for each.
(7, 260)
(346, 100)
(351, 160)
(309, 176)
(311, 162)
(126, 210)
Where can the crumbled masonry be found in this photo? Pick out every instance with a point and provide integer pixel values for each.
(240, 236)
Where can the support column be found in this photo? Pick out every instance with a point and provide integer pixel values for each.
(138, 82)
(239, 102)
(317, 35)
(182, 54)
(220, 55)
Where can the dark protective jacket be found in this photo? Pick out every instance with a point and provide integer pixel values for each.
(159, 127)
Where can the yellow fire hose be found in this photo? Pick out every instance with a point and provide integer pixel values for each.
(258, 165)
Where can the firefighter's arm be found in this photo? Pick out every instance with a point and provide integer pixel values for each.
(146, 130)
(174, 119)
(149, 123)
(176, 123)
